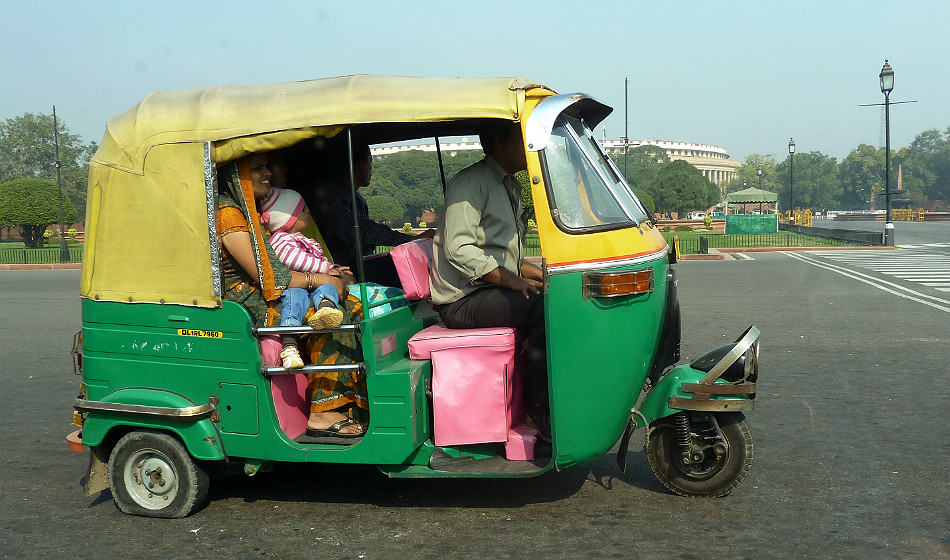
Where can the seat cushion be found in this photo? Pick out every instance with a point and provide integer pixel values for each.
(440, 337)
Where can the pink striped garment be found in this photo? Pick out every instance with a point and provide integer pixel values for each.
(299, 252)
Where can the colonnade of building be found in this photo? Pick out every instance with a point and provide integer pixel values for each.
(712, 161)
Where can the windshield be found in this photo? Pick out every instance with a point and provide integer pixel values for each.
(585, 188)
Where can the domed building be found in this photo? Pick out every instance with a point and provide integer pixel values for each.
(712, 161)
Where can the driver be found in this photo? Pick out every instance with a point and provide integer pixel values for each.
(480, 277)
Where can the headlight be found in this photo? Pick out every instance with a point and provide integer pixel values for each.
(737, 370)
(738, 361)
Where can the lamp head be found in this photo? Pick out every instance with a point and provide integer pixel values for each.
(887, 78)
(791, 146)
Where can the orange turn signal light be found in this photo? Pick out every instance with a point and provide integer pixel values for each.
(614, 284)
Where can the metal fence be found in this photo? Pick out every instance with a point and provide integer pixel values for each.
(845, 235)
(46, 255)
(702, 243)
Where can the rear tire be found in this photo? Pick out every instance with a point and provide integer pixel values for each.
(716, 480)
(151, 474)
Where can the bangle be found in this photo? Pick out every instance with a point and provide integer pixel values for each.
(309, 282)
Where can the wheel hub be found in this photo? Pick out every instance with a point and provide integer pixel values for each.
(705, 461)
(151, 479)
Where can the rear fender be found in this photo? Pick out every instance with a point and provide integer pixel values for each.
(192, 424)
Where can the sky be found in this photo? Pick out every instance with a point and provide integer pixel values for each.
(746, 76)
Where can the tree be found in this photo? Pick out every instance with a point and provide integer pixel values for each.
(645, 199)
(748, 175)
(384, 208)
(861, 173)
(816, 182)
(642, 165)
(926, 164)
(32, 205)
(411, 179)
(28, 150)
(680, 187)
(911, 178)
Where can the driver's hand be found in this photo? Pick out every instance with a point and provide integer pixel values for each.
(528, 287)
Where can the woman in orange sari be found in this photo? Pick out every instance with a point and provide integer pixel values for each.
(253, 276)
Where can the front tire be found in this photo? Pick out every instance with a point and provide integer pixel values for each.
(151, 474)
(714, 476)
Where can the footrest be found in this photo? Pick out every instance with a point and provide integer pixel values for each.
(521, 442)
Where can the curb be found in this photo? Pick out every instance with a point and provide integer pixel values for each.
(772, 249)
(721, 253)
(709, 257)
(52, 266)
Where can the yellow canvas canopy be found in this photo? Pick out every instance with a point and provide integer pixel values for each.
(149, 230)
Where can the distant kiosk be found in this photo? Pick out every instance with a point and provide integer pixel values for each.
(751, 224)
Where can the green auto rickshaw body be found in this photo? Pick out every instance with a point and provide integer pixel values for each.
(162, 349)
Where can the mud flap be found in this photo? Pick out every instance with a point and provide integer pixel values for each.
(624, 444)
(97, 474)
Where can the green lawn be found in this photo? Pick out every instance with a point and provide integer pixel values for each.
(53, 243)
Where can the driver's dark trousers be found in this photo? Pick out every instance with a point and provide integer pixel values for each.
(501, 307)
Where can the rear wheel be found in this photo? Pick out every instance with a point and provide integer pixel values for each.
(152, 474)
(718, 458)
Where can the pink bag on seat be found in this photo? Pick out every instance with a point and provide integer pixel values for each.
(476, 384)
(412, 265)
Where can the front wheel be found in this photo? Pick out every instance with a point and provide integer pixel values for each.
(152, 474)
(710, 462)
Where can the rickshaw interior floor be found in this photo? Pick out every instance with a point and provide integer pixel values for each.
(497, 464)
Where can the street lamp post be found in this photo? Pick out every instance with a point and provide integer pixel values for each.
(791, 174)
(887, 85)
(63, 247)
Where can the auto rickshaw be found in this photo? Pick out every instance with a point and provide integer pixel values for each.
(175, 386)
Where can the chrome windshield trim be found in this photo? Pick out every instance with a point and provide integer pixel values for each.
(623, 180)
(541, 121)
(603, 179)
(603, 265)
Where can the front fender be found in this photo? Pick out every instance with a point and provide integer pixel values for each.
(682, 389)
(155, 409)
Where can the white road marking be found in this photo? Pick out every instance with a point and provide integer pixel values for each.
(918, 267)
(898, 290)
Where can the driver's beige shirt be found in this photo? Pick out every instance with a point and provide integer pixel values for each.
(479, 232)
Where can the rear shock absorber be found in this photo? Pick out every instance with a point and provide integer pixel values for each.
(683, 436)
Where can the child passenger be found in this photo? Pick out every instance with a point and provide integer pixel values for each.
(285, 216)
